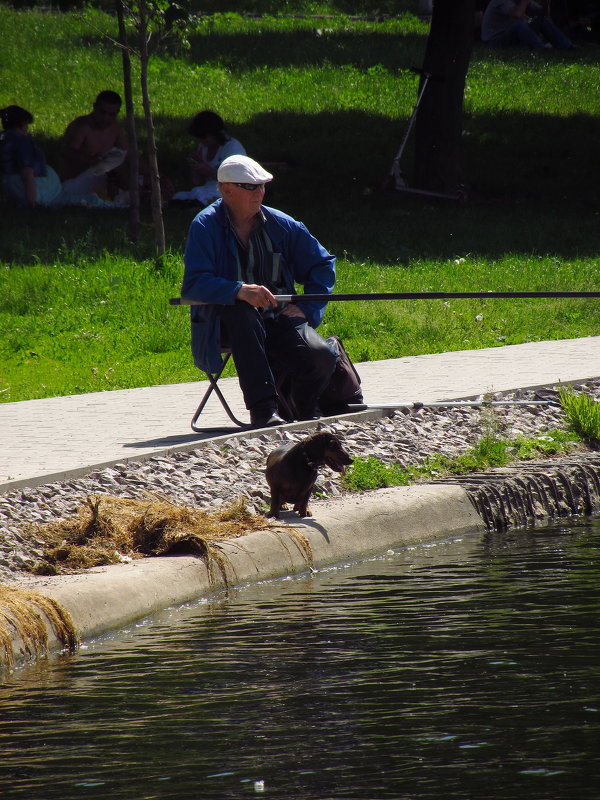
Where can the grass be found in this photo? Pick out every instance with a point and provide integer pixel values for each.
(583, 414)
(490, 451)
(82, 309)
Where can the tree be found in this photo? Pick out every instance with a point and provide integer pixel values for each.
(134, 194)
(158, 19)
(147, 12)
(439, 121)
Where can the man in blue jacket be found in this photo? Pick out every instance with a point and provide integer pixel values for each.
(239, 256)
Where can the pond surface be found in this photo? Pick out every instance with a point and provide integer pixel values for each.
(466, 669)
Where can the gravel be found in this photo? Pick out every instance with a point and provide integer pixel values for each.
(216, 474)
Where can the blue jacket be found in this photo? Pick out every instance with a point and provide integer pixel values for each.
(18, 151)
(211, 273)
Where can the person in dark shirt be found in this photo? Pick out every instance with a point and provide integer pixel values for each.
(26, 177)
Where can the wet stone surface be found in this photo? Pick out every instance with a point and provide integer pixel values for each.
(216, 474)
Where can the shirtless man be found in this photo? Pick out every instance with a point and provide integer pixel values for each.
(93, 145)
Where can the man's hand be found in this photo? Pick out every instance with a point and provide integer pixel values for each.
(292, 310)
(257, 296)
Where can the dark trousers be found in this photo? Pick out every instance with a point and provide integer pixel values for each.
(522, 32)
(268, 351)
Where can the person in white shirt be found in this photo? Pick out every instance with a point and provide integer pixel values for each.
(214, 146)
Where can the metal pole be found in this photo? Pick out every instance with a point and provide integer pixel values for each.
(413, 117)
(450, 404)
(328, 298)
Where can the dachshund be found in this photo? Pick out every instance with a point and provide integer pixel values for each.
(292, 470)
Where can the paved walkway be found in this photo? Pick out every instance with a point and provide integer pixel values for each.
(48, 440)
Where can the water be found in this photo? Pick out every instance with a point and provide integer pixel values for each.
(467, 669)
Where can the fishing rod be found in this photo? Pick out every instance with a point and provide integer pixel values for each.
(328, 298)
(417, 404)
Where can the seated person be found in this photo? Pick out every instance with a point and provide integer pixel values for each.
(214, 145)
(239, 256)
(506, 23)
(26, 177)
(93, 146)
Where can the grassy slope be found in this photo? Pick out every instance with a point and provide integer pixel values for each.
(81, 309)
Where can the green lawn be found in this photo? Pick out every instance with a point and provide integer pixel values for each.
(82, 309)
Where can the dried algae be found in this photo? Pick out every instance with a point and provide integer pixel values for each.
(26, 615)
(109, 530)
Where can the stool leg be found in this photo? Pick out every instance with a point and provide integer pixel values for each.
(213, 380)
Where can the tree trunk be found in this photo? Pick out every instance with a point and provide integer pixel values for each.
(134, 189)
(156, 203)
(439, 121)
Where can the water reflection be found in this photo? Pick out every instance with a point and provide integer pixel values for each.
(459, 670)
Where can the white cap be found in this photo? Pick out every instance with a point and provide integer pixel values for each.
(241, 169)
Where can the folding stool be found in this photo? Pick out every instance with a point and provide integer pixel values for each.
(213, 379)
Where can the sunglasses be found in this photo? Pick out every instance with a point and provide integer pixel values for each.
(250, 187)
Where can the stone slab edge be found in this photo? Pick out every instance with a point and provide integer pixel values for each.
(207, 438)
(202, 439)
(345, 530)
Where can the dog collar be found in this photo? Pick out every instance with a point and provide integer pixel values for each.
(311, 464)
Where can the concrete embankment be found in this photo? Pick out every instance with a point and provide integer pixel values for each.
(349, 529)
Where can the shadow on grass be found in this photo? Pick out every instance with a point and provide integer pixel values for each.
(531, 181)
(242, 52)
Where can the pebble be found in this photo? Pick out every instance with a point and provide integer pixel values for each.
(214, 475)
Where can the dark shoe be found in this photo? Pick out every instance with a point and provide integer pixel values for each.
(306, 407)
(309, 416)
(264, 415)
(266, 420)
(307, 411)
